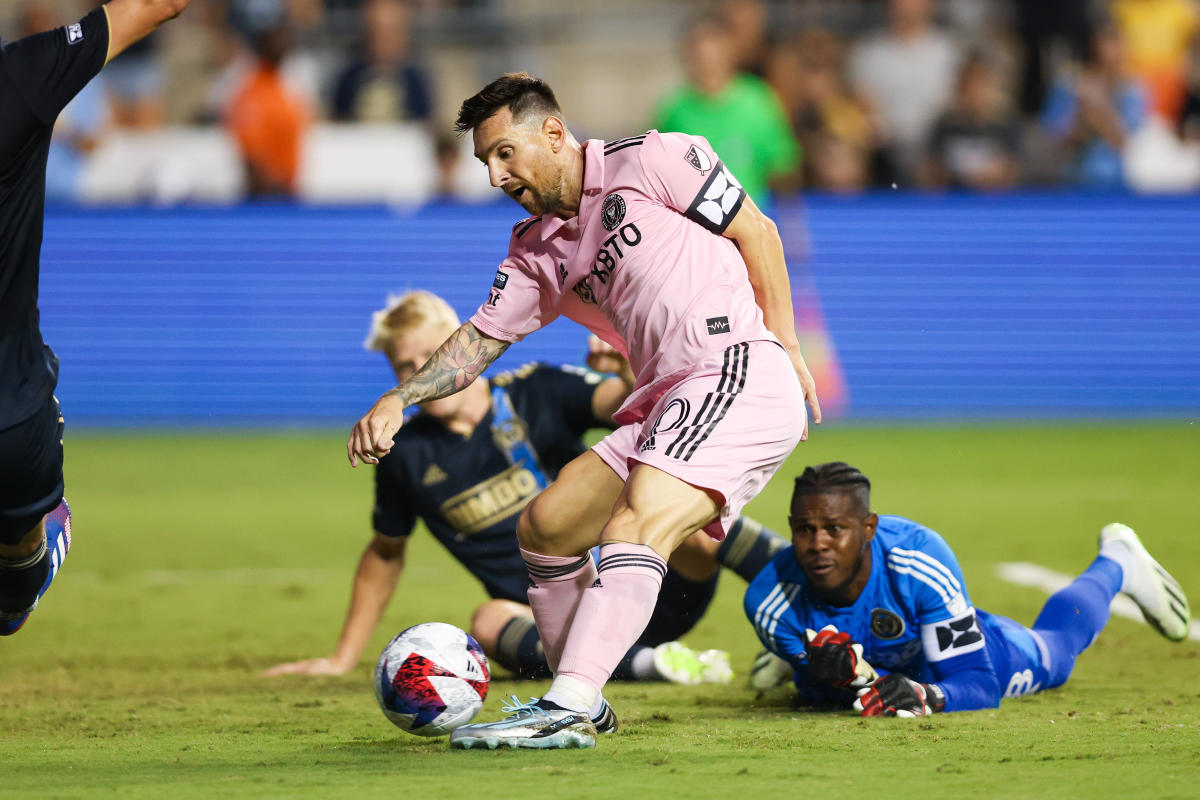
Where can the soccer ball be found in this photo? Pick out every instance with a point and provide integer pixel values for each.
(431, 678)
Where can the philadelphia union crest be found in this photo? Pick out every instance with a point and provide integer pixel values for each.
(886, 624)
(612, 212)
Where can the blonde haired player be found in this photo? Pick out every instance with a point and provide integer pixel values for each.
(469, 463)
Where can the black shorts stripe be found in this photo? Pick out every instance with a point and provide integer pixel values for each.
(686, 429)
(707, 409)
(728, 402)
(709, 399)
(716, 404)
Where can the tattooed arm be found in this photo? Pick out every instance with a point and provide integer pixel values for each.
(455, 365)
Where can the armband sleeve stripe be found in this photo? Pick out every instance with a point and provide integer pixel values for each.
(936, 565)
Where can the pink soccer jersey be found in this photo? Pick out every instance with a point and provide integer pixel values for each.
(643, 265)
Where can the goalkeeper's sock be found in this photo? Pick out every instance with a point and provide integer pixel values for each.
(22, 578)
(748, 547)
(556, 585)
(1075, 615)
(1119, 553)
(611, 616)
(637, 665)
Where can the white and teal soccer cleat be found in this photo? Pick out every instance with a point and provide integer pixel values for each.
(537, 725)
(678, 663)
(1156, 592)
(769, 671)
(606, 720)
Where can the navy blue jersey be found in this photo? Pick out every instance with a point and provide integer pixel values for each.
(914, 617)
(38, 76)
(470, 490)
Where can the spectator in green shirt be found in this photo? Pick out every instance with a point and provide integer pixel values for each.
(739, 114)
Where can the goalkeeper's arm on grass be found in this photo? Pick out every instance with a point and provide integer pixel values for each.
(962, 681)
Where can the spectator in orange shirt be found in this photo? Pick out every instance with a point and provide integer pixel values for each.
(269, 121)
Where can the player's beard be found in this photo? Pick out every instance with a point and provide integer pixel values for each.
(546, 198)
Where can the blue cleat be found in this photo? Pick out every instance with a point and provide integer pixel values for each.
(58, 544)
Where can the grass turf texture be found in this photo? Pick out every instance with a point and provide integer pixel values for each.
(200, 559)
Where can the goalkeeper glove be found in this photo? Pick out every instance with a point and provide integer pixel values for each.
(896, 696)
(834, 659)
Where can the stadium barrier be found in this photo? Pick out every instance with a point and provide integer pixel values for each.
(947, 307)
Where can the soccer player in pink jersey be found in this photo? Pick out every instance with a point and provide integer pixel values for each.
(652, 244)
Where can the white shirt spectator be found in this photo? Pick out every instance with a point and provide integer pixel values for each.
(909, 80)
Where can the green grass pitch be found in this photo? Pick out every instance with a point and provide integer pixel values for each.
(201, 558)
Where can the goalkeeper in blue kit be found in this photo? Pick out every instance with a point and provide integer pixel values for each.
(871, 611)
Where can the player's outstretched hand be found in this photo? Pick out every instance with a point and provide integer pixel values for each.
(603, 357)
(310, 666)
(896, 696)
(806, 382)
(371, 439)
(834, 659)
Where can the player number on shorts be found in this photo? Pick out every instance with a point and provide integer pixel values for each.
(1021, 683)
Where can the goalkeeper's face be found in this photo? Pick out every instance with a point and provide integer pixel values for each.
(832, 534)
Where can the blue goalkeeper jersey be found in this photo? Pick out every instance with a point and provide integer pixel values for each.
(914, 617)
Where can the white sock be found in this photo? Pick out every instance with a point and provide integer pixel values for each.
(597, 706)
(642, 665)
(571, 694)
(1118, 551)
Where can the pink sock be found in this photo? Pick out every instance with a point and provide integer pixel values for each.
(557, 584)
(611, 616)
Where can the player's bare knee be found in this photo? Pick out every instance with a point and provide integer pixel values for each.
(489, 619)
(696, 557)
(541, 527)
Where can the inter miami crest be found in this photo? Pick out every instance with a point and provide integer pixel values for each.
(612, 212)
(886, 624)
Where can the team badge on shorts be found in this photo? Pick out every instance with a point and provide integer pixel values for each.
(501, 280)
(612, 212)
(74, 33)
(886, 624)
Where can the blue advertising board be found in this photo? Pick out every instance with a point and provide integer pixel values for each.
(1025, 307)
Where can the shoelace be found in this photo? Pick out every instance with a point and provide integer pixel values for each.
(515, 708)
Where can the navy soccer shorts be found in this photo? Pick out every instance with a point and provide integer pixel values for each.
(31, 471)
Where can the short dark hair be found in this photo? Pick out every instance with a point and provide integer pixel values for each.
(522, 93)
(834, 476)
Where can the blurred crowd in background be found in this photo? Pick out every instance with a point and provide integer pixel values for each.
(840, 96)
